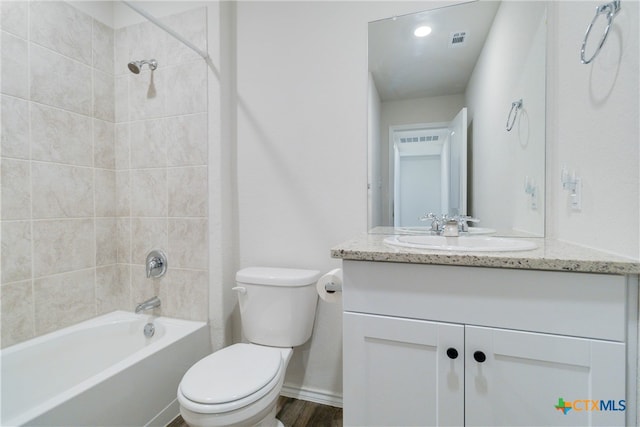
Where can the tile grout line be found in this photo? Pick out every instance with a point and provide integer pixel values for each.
(93, 163)
(29, 139)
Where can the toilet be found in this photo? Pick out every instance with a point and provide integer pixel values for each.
(240, 384)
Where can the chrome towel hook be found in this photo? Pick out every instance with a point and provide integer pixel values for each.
(610, 10)
(515, 106)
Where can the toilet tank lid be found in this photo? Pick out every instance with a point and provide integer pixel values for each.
(277, 276)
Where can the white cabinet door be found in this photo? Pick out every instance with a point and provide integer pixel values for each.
(397, 372)
(526, 376)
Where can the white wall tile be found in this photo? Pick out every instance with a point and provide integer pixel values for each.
(14, 125)
(187, 191)
(103, 96)
(15, 186)
(188, 243)
(14, 66)
(188, 140)
(61, 136)
(59, 81)
(192, 26)
(63, 245)
(64, 299)
(149, 144)
(105, 192)
(16, 251)
(123, 193)
(187, 92)
(147, 234)
(124, 278)
(122, 54)
(61, 191)
(121, 100)
(149, 193)
(123, 240)
(16, 305)
(188, 294)
(62, 28)
(92, 175)
(106, 243)
(102, 46)
(13, 17)
(104, 145)
(122, 146)
(111, 293)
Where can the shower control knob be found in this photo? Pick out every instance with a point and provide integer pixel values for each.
(452, 353)
(479, 356)
(156, 264)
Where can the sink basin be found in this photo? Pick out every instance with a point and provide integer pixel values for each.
(481, 230)
(461, 244)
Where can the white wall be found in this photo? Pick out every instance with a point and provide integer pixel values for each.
(301, 140)
(593, 128)
(510, 67)
(302, 132)
(374, 177)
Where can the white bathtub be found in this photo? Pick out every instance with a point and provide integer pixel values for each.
(100, 372)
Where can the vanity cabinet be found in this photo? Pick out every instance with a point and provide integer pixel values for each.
(436, 345)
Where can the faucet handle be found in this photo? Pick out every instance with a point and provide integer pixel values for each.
(428, 217)
(156, 264)
(437, 221)
(462, 221)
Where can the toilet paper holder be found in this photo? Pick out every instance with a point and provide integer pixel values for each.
(329, 286)
(333, 287)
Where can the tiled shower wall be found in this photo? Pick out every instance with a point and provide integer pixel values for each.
(161, 164)
(99, 166)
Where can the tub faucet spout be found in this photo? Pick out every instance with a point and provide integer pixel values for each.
(148, 304)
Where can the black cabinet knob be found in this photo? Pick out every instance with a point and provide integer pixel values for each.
(479, 356)
(452, 353)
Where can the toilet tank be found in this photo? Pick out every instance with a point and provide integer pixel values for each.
(277, 305)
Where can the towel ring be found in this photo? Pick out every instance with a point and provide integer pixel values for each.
(608, 9)
(515, 106)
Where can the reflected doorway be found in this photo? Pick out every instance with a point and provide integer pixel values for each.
(429, 166)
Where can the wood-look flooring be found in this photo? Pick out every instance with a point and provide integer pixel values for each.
(297, 413)
(301, 413)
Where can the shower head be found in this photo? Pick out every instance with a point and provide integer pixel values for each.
(136, 66)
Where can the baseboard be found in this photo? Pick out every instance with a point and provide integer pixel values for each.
(167, 415)
(318, 396)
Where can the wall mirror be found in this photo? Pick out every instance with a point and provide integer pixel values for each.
(457, 117)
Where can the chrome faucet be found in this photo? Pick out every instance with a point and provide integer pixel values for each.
(462, 222)
(149, 304)
(438, 222)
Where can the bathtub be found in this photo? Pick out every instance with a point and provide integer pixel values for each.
(100, 372)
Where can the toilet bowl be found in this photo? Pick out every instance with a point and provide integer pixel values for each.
(240, 384)
(236, 386)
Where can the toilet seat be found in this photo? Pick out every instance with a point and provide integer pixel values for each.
(231, 378)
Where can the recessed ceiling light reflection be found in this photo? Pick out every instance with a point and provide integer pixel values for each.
(422, 31)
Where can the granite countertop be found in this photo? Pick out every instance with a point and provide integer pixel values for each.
(551, 255)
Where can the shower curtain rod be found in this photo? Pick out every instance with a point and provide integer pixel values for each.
(151, 18)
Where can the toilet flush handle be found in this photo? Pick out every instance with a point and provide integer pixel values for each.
(240, 290)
